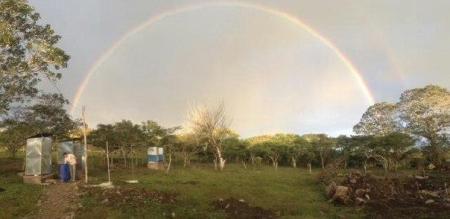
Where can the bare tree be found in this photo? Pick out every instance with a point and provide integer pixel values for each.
(212, 125)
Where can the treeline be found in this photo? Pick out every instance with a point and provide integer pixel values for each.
(309, 150)
(411, 133)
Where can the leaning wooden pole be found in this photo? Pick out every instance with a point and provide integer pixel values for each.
(85, 145)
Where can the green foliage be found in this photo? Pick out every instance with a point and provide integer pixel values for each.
(322, 145)
(47, 115)
(28, 52)
(379, 119)
(423, 113)
(426, 113)
(279, 148)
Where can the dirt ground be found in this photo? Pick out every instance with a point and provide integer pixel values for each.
(60, 200)
(239, 209)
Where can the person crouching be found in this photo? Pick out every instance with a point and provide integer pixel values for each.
(72, 161)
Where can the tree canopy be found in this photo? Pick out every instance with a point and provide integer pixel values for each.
(28, 52)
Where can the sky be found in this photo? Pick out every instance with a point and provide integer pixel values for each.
(271, 74)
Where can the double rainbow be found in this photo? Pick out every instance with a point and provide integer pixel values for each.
(271, 11)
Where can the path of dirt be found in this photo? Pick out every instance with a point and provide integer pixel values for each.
(60, 200)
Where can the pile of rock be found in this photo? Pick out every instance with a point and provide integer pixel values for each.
(357, 189)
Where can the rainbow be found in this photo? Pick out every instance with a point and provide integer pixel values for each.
(152, 20)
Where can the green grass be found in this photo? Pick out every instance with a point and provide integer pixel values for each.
(18, 199)
(289, 192)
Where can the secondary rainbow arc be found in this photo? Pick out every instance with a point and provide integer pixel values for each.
(152, 20)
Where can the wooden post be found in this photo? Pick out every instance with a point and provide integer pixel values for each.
(107, 158)
(85, 145)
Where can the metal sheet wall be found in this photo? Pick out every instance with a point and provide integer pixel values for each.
(38, 159)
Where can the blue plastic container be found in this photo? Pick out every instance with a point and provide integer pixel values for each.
(153, 158)
(64, 172)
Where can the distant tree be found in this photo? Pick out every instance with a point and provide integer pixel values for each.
(28, 53)
(102, 135)
(128, 135)
(189, 145)
(400, 147)
(391, 149)
(169, 141)
(253, 147)
(213, 126)
(152, 133)
(297, 149)
(277, 148)
(274, 151)
(47, 115)
(308, 156)
(236, 149)
(361, 148)
(323, 146)
(378, 120)
(14, 134)
(425, 113)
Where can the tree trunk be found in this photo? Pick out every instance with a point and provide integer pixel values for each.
(309, 167)
(252, 158)
(170, 162)
(13, 154)
(220, 159)
(185, 160)
(322, 161)
(365, 167)
(215, 162)
(274, 162)
(124, 157)
(294, 162)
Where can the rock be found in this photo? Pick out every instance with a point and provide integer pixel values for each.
(241, 200)
(360, 192)
(173, 214)
(105, 201)
(341, 194)
(431, 166)
(367, 196)
(360, 201)
(429, 193)
(421, 177)
(429, 201)
(51, 181)
(353, 181)
(331, 189)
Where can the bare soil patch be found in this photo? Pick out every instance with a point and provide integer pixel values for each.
(134, 197)
(59, 200)
(239, 209)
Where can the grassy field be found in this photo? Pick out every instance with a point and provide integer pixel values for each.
(17, 199)
(288, 192)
